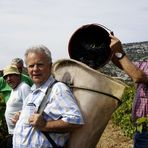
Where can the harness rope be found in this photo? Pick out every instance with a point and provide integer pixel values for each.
(88, 89)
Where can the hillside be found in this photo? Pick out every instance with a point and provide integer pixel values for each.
(137, 51)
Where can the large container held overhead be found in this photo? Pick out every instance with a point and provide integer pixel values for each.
(90, 44)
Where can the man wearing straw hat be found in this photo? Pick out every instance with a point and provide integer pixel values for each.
(19, 92)
(5, 89)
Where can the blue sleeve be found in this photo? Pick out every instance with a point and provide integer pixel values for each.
(63, 105)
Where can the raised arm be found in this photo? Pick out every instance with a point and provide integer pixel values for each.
(121, 60)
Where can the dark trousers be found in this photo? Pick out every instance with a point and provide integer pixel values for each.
(7, 142)
(141, 139)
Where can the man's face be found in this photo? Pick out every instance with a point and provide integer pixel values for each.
(13, 80)
(39, 68)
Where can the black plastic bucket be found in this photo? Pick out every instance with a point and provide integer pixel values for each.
(90, 45)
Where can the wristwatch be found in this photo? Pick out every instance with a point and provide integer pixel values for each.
(120, 55)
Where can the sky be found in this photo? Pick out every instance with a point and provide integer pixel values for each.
(25, 23)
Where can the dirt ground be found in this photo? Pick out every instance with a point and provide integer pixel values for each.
(112, 137)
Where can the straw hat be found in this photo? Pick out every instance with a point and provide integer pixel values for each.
(10, 69)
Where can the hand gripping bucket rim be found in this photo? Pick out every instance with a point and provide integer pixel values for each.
(90, 44)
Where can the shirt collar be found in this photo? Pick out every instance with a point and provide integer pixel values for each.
(44, 86)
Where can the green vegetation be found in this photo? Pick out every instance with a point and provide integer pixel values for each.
(122, 116)
(3, 127)
(140, 122)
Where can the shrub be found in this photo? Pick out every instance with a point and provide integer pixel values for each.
(122, 116)
(3, 126)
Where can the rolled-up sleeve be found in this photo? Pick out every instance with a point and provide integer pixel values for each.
(62, 105)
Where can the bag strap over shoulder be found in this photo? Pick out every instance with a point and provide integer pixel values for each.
(45, 99)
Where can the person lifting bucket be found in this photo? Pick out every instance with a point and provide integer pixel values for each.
(90, 44)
